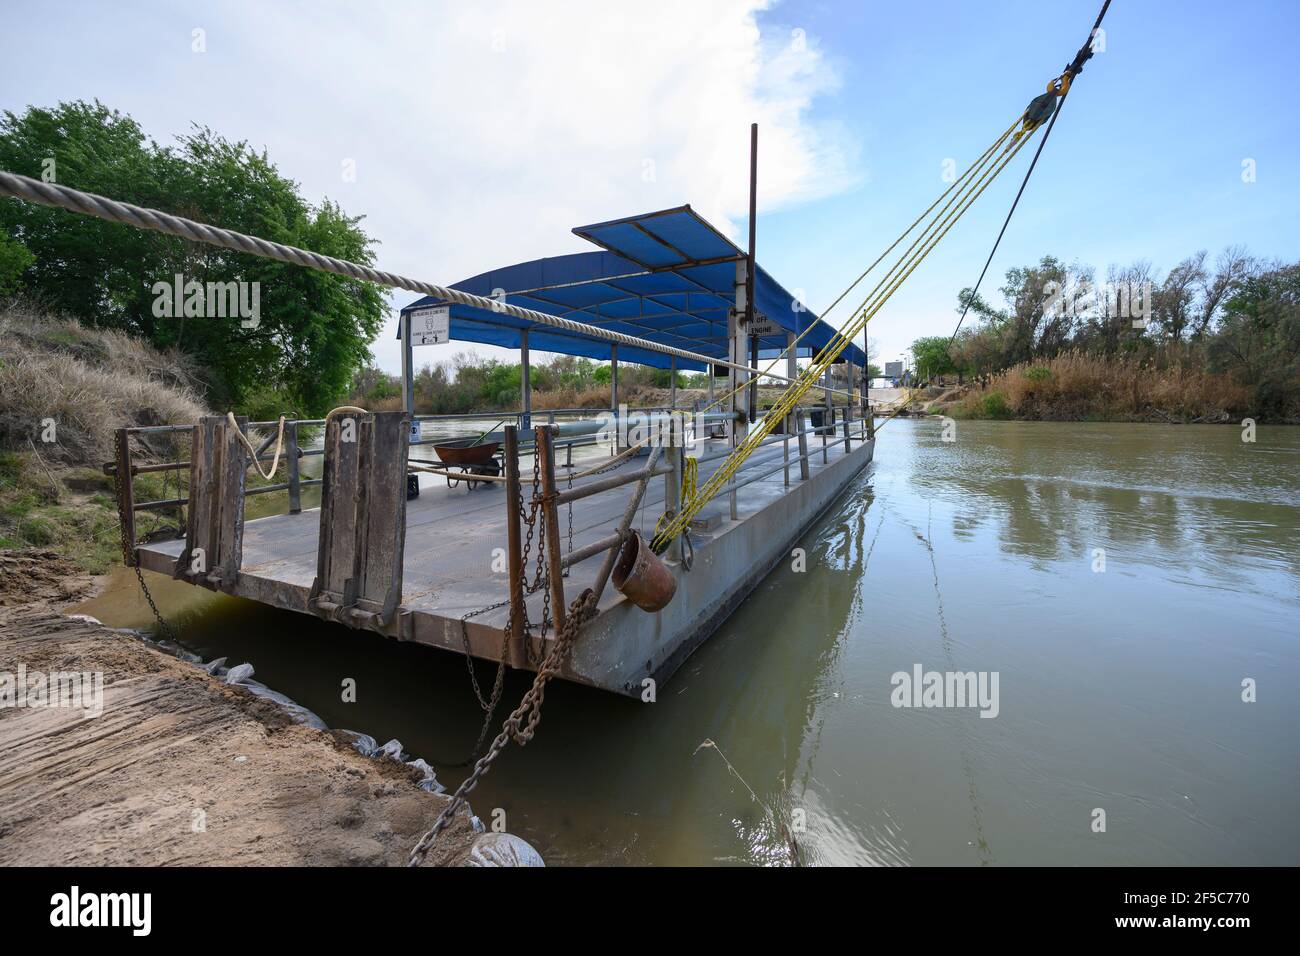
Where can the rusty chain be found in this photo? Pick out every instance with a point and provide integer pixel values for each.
(540, 582)
(520, 726)
(128, 549)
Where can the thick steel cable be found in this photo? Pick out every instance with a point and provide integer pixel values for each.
(101, 207)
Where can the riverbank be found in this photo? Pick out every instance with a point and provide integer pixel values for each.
(180, 766)
(1083, 388)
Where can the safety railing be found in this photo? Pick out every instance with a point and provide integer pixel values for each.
(363, 511)
(547, 499)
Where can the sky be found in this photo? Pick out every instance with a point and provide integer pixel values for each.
(472, 136)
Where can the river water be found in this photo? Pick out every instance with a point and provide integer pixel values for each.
(1123, 581)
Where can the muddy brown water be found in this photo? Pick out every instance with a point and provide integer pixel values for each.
(1118, 689)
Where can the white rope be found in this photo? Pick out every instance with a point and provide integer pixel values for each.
(89, 204)
(279, 443)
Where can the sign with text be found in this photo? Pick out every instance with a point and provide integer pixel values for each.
(763, 327)
(430, 326)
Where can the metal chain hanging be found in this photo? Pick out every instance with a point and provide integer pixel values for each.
(520, 726)
(128, 548)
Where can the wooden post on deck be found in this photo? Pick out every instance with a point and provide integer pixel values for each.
(126, 496)
(550, 514)
(514, 545)
(225, 560)
(362, 540)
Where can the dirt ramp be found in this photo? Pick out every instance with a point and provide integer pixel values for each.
(179, 768)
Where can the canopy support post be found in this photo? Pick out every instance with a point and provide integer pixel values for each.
(790, 425)
(613, 391)
(737, 425)
(525, 385)
(749, 269)
(408, 372)
(866, 387)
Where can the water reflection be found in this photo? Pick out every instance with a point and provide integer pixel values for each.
(1119, 689)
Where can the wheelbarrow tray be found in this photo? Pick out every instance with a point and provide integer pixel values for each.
(463, 451)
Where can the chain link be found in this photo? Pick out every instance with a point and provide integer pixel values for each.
(520, 726)
(540, 581)
(128, 546)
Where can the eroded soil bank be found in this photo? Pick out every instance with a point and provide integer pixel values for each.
(181, 767)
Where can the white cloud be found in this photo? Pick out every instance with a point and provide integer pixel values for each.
(481, 134)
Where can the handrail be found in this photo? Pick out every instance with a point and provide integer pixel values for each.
(571, 494)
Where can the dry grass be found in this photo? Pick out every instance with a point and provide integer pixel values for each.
(597, 396)
(391, 404)
(89, 382)
(1079, 387)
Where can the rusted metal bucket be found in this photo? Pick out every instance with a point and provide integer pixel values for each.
(641, 577)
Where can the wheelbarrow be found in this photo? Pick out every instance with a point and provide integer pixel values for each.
(470, 456)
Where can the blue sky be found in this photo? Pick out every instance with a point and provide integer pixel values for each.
(1144, 163)
(482, 133)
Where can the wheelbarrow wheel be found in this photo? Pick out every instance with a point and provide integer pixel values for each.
(490, 467)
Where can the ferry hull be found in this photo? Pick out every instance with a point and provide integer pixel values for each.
(625, 646)
(453, 593)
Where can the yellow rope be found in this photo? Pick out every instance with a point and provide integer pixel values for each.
(954, 209)
(865, 272)
(690, 475)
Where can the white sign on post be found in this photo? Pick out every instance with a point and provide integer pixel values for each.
(430, 326)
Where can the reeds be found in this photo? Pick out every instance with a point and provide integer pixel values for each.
(1076, 386)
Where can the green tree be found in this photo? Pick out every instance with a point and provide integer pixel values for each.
(14, 260)
(313, 329)
(932, 358)
(1259, 337)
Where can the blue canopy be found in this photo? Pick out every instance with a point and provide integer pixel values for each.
(666, 276)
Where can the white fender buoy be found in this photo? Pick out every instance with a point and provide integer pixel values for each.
(503, 849)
